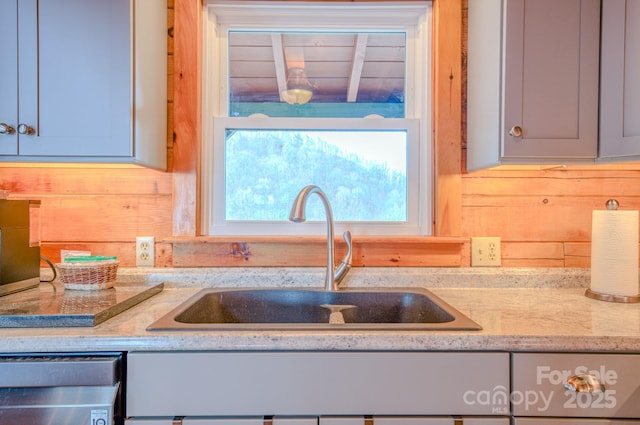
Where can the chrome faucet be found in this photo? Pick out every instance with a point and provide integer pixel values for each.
(334, 275)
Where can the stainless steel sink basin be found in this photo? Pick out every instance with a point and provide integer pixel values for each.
(304, 309)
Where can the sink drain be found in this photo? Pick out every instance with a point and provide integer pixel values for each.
(335, 310)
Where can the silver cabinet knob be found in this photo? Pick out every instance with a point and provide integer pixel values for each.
(26, 129)
(6, 129)
(516, 131)
(584, 384)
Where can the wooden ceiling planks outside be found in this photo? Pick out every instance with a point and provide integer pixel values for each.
(342, 67)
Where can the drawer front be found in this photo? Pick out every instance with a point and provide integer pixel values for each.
(317, 383)
(387, 420)
(569, 421)
(539, 385)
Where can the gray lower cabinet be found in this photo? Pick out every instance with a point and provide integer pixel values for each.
(382, 388)
(549, 386)
(533, 68)
(620, 85)
(84, 81)
(319, 384)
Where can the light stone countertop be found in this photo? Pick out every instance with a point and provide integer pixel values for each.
(519, 310)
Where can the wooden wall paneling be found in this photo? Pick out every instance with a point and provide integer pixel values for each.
(577, 254)
(187, 36)
(542, 205)
(36, 182)
(563, 181)
(532, 262)
(528, 223)
(447, 105)
(251, 252)
(125, 251)
(97, 218)
(98, 206)
(170, 85)
(312, 251)
(532, 254)
(408, 252)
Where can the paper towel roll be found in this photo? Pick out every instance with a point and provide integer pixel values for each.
(614, 252)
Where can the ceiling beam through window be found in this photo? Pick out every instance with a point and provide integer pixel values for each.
(356, 67)
(278, 59)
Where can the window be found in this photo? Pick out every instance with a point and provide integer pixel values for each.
(333, 94)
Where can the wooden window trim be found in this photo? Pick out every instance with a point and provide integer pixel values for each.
(447, 110)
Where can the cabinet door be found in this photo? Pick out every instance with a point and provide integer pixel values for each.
(312, 383)
(620, 85)
(541, 382)
(75, 77)
(8, 77)
(551, 79)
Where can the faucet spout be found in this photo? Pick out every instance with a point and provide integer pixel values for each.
(298, 214)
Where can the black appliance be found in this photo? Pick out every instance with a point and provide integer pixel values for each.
(19, 261)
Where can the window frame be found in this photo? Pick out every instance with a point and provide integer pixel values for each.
(412, 17)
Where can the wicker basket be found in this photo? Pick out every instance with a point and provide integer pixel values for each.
(88, 275)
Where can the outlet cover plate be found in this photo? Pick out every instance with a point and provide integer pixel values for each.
(485, 252)
(145, 251)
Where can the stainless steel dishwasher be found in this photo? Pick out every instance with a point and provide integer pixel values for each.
(576, 389)
(61, 389)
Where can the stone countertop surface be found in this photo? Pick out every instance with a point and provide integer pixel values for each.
(519, 310)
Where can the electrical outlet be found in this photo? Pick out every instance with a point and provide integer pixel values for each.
(485, 251)
(145, 251)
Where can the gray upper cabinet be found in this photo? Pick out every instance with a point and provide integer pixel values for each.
(620, 85)
(8, 78)
(533, 70)
(83, 81)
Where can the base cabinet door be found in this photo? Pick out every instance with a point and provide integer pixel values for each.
(317, 383)
(576, 385)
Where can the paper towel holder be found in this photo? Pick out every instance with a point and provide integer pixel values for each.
(612, 298)
(612, 204)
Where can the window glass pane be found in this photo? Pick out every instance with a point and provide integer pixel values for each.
(363, 172)
(317, 74)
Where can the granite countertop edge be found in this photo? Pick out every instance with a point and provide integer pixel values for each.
(519, 309)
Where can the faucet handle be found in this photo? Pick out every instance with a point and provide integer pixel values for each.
(345, 264)
(347, 239)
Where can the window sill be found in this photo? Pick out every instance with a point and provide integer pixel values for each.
(310, 251)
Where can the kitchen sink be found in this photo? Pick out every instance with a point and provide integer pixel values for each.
(307, 309)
